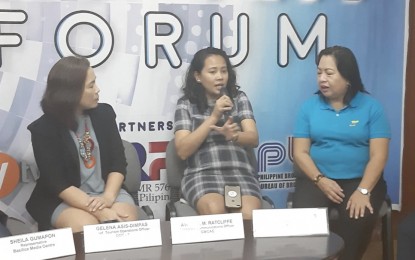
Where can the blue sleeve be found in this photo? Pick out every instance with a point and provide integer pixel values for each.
(379, 125)
(302, 123)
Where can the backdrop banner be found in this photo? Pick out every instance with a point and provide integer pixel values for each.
(140, 51)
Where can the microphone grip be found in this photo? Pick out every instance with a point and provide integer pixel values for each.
(226, 114)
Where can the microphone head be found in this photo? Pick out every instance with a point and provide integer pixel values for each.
(223, 91)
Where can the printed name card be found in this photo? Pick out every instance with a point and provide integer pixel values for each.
(207, 228)
(39, 245)
(122, 235)
(290, 222)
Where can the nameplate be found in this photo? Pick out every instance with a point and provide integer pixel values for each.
(206, 228)
(290, 222)
(39, 245)
(229, 249)
(122, 235)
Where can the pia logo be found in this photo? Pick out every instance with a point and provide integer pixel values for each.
(9, 174)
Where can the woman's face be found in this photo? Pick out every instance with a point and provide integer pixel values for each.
(331, 83)
(213, 76)
(90, 95)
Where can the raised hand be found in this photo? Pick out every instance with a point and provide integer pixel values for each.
(228, 130)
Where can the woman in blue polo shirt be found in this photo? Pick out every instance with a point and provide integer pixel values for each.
(341, 140)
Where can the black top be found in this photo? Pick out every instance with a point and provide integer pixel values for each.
(58, 160)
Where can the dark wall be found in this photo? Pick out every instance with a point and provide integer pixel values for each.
(408, 167)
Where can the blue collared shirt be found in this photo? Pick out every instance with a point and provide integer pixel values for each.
(340, 139)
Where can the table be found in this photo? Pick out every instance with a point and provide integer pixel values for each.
(250, 248)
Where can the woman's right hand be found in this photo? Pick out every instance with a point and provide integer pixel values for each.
(222, 105)
(332, 190)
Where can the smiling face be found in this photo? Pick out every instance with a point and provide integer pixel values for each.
(90, 95)
(213, 76)
(331, 83)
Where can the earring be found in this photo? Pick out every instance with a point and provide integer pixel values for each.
(198, 80)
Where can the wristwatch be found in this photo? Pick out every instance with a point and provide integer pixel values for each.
(363, 191)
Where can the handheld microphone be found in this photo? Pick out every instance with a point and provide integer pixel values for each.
(225, 114)
(224, 91)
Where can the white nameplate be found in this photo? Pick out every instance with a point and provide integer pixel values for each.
(39, 245)
(290, 222)
(298, 247)
(122, 235)
(229, 249)
(207, 228)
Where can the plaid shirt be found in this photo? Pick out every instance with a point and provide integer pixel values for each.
(215, 155)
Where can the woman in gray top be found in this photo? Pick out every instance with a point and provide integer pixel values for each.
(79, 152)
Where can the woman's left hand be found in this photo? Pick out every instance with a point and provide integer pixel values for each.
(108, 214)
(98, 203)
(228, 130)
(357, 205)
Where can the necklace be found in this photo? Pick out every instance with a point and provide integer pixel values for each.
(86, 146)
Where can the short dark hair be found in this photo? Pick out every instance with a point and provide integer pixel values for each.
(193, 90)
(347, 66)
(64, 89)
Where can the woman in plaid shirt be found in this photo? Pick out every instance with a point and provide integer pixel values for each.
(214, 124)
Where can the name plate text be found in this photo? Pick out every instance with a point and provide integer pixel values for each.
(207, 228)
(122, 235)
(39, 245)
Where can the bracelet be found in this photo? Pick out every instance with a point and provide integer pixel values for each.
(235, 138)
(318, 178)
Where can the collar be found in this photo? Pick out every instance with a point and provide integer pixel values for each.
(355, 102)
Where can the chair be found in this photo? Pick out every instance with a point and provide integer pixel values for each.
(178, 207)
(4, 231)
(133, 180)
(385, 214)
(132, 184)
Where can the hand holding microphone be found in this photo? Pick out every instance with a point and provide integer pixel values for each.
(228, 107)
(226, 126)
(223, 107)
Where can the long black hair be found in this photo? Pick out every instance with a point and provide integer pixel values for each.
(347, 66)
(193, 90)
